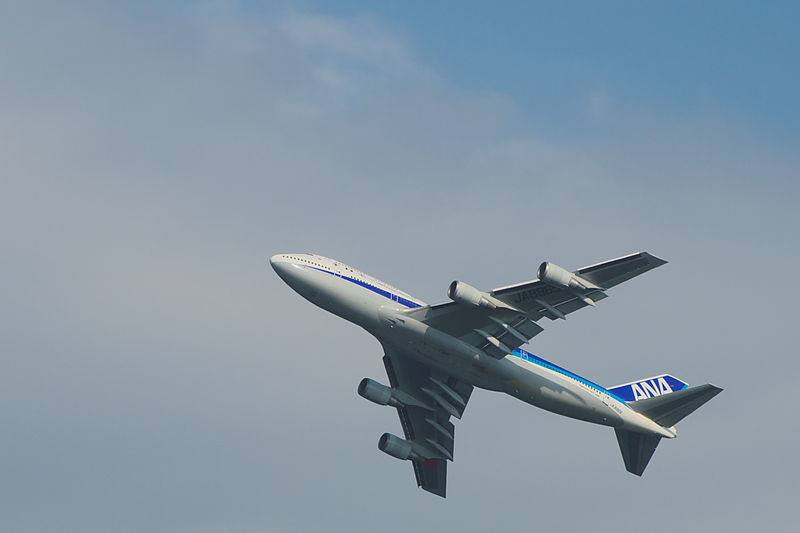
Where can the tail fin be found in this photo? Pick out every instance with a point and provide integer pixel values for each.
(665, 410)
(648, 387)
(637, 449)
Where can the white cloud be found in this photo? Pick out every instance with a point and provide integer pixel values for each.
(359, 39)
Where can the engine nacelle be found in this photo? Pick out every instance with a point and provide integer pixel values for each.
(397, 447)
(560, 277)
(466, 294)
(377, 393)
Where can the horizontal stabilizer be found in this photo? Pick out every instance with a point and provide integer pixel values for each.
(637, 449)
(669, 409)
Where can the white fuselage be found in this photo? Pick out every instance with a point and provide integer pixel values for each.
(380, 309)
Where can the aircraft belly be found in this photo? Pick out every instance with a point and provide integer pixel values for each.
(561, 396)
(467, 370)
(536, 386)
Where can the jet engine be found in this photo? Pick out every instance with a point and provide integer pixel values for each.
(377, 393)
(397, 447)
(466, 294)
(560, 277)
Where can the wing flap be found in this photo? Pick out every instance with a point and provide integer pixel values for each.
(497, 331)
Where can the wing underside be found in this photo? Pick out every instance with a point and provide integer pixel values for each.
(427, 425)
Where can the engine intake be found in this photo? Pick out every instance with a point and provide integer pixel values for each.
(557, 276)
(397, 447)
(466, 294)
(377, 393)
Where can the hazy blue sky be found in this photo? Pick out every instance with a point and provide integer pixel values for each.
(158, 376)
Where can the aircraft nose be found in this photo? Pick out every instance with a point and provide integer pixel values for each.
(286, 267)
(279, 264)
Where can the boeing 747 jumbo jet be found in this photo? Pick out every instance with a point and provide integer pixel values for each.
(436, 354)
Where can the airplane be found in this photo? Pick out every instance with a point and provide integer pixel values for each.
(435, 355)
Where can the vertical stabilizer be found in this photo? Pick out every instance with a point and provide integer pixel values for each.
(637, 449)
(648, 387)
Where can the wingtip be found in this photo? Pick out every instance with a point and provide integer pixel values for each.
(441, 492)
(655, 259)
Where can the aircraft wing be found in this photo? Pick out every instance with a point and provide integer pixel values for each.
(429, 427)
(512, 321)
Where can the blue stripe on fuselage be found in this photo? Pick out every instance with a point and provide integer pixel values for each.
(386, 294)
(535, 359)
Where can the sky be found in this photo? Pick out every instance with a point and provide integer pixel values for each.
(158, 376)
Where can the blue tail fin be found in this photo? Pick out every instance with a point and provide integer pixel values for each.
(648, 387)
